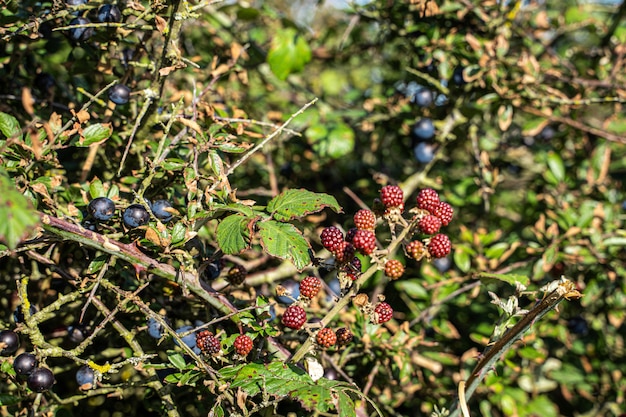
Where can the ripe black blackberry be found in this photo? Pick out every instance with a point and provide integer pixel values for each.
(237, 275)
(207, 342)
(344, 336)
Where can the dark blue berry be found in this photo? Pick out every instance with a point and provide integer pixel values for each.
(40, 380)
(18, 314)
(424, 152)
(80, 34)
(423, 129)
(189, 339)
(423, 97)
(160, 209)
(119, 94)
(76, 333)
(212, 271)
(293, 288)
(135, 215)
(85, 377)
(109, 13)
(24, 364)
(457, 76)
(578, 325)
(547, 133)
(75, 2)
(101, 209)
(155, 329)
(44, 82)
(442, 264)
(9, 342)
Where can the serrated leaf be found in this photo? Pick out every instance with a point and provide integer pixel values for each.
(282, 380)
(9, 126)
(19, 219)
(508, 278)
(288, 53)
(95, 133)
(345, 405)
(284, 241)
(233, 233)
(297, 203)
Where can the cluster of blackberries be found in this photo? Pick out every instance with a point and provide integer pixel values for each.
(102, 209)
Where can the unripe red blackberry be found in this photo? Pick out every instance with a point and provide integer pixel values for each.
(382, 313)
(392, 196)
(439, 246)
(445, 212)
(326, 337)
(345, 252)
(428, 199)
(237, 275)
(364, 241)
(331, 238)
(294, 317)
(243, 345)
(416, 249)
(429, 224)
(310, 286)
(394, 269)
(207, 342)
(365, 220)
(344, 336)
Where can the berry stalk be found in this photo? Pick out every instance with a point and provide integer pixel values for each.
(306, 346)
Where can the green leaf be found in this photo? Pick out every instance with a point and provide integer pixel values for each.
(555, 163)
(97, 264)
(282, 380)
(178, 233)
(297, 203)
(508, 278)
(216, 411)
(9, 126)
(6, 400)
(173, 164)
(95, 133)
(233, 233)
(338, 143)
(288, 54)
(177, 360)
(19, 219)
(96, 189)
(285, 241)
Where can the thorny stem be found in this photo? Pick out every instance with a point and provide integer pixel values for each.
(564, 290)
(131, 254)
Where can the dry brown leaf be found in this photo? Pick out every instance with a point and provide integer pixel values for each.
(27, 101)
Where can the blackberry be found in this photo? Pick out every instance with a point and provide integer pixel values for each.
(345, 252)
(326, 337)
(207, 342)
(439, 246)
(394, 269)
(365, 220)
(344, 336)
(429, 224)
(364, 241)
(416, 249)
(350, 234)
(310, 286)
(428, 199)
(294, 317)
(382, 313)
(392, 196)
(243, 345)
(445, 212)
(237, 275)
(331, 238)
